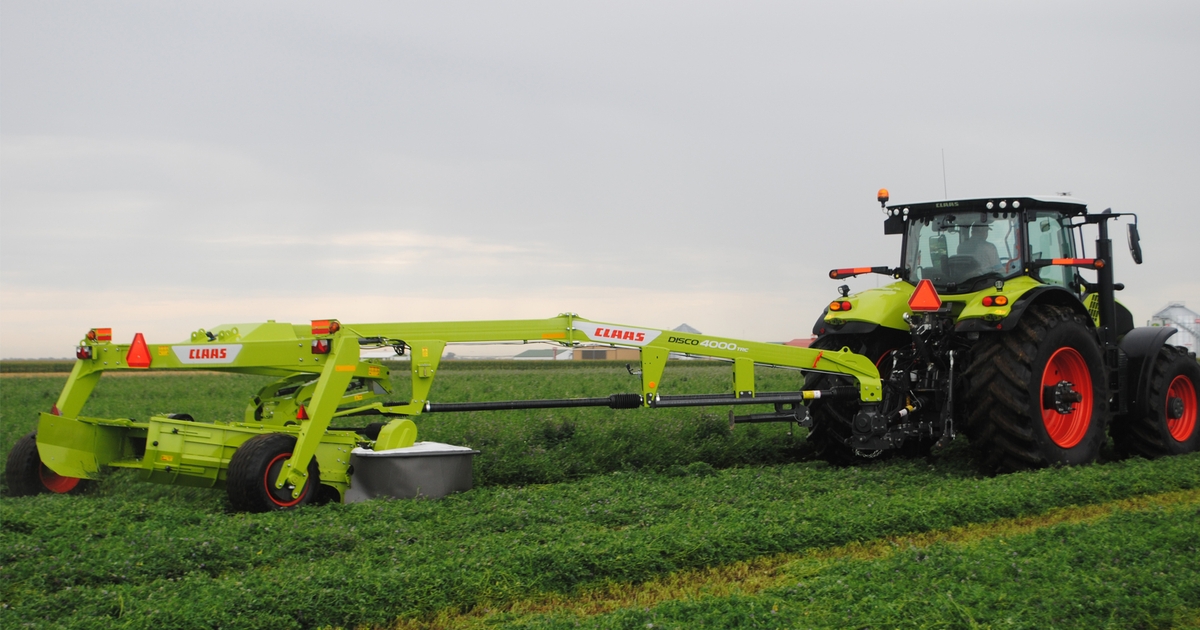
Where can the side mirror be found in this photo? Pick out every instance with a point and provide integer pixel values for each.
(1135, 244)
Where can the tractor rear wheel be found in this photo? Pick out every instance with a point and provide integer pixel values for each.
(1036, 396)
(1167, 424)
(253, 469)
(26, 475)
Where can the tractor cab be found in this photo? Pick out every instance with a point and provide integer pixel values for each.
(967, 245)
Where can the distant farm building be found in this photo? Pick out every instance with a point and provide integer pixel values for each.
(547, 354)
(607, 354)
(1178, 316)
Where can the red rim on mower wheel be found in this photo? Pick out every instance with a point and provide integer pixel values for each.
(280, 496)
(1181, 428)
(1068, 429)
(55, 482)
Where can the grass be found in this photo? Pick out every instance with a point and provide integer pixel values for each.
(133, 555)
(751, 577)
(1130, 569)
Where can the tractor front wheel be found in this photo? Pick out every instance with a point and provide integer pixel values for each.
(253, 469)
(26, 475)
(1167, 424)
(1037, 394)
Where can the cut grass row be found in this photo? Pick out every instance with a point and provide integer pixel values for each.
(1132, 568)
(780, 571)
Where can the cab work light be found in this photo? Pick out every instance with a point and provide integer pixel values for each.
(325, 326)
(322, 346)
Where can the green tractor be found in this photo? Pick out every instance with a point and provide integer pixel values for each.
(991, 329)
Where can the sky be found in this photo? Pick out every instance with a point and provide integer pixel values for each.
(166, 167)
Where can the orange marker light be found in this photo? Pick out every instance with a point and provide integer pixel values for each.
(925, 297)
(325, 326)
(1001, 300)
(883, 195)
(835, 306)
(1095, 263)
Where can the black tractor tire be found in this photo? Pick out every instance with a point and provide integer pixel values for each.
(26, 475)
(832, 418)
(250, 480)
(1012, 422)
(1168, 425)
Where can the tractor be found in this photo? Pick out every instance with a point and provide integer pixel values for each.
(991, 329)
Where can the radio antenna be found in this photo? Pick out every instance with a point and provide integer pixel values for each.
(945, 190)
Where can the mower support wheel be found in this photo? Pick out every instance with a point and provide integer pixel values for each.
(1167, 424)
(253, 469)
(1037, 394)
(26, 475)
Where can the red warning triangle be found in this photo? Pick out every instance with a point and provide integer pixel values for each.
(925, 297)
(139, 354)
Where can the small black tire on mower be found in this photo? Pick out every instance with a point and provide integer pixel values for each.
(1167, 424)
(26, 475)
(1018, 383)
(250, 480)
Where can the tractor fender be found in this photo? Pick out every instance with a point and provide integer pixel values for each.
(1045, 294)
(1141, 346)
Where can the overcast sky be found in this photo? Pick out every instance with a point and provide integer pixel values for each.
(170, 166)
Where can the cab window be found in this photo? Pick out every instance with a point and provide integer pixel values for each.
(1050, 237)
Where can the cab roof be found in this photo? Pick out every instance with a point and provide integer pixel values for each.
(1062, 203)
(898, 214)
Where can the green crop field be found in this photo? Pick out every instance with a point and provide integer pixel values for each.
(605, 519)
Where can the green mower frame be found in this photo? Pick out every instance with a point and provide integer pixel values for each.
(323, 382)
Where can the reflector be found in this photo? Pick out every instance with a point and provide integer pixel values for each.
(102, 334)
(83, 353)
(301, 414)
(925, 297)
(138, 355)
(321, 346)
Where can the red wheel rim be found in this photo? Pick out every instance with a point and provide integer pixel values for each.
(280, 496)
(55, 482)
(1182, 388)
(1067, 429)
